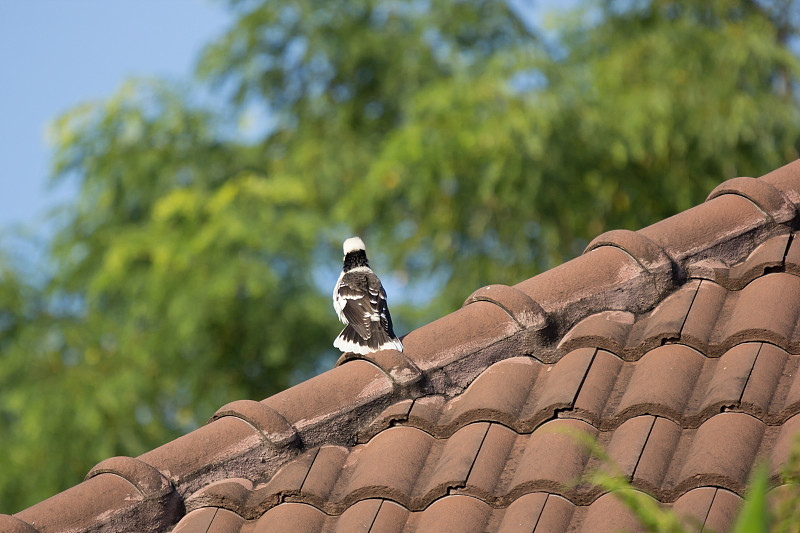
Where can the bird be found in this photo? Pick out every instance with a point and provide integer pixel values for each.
(360, 302)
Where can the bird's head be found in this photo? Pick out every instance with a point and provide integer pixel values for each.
(354, 254)
(353, 244)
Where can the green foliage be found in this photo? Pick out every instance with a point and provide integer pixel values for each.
(785, 501)
(195, 266)
(754, 514)
(764, 510)
(651, 515)
(184, 251)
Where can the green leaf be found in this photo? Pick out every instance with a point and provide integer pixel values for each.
(754, 516)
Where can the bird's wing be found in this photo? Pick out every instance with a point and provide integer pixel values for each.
(378, 300)
(360, 298)
(339, 301)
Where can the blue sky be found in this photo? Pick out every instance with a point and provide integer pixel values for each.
(56, 54)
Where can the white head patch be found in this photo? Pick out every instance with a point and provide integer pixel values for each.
(352, 244)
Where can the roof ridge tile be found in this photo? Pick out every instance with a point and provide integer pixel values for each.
(106, 502)
(147, 479)
(11, 524)
(395, 364)
(763, 194)
(652, 257)
(192, 461)
(521, 307)
(275, 429)
(330, 407)
(452, 350)
(606, 278)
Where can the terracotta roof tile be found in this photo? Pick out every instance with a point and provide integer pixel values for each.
(675, 348)
(224, 521)
(762, 382)
(792, 258)
(702, 317)
(425, 411)
(323, 474)
(608, 515)
(657, 454)
(707, 509)
(289, 479)
(562, 382)
(608, 330)
(791, 402)
(192, 461)
(488, 470)
(456, 461)
(11, 524)
(782, 447)
(198, 521)
(765, 257)
(452, 514)
(391, 518)
(86, 504)
(598, 385)
(761, 193)
(722, 451)
(388, 465)
(731, 373)
(361, 516)
(524, 513)
(628, 442)
(662, 382)
(766, 309)
(537, 512)
(298, 517)
(499, 392)
(359, 385)
(723, 511)
(475, 328)
(703, 231)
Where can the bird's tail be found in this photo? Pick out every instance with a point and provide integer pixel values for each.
(349, 341)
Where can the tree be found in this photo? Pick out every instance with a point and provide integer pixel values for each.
(196, 265)
(636, 115)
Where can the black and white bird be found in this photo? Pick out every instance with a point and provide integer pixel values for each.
(360, 302)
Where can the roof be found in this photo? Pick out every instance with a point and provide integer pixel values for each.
(676, 346)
